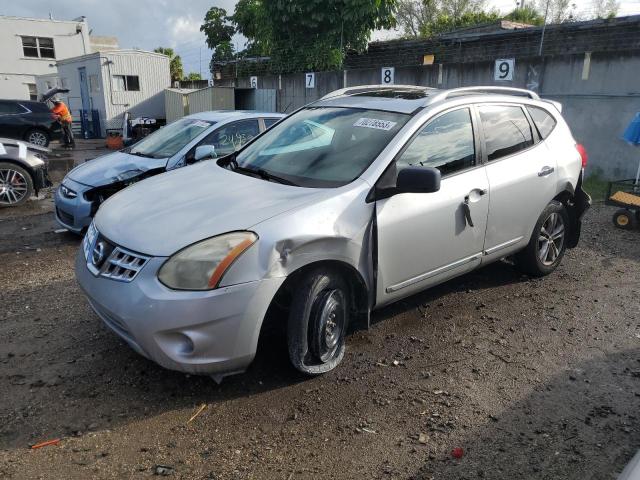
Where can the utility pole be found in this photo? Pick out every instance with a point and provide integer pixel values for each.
(544, 27)
(200, 62)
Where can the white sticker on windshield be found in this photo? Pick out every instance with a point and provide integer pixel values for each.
(374, 123)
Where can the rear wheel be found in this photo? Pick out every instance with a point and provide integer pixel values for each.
(548, 243)
(318, 320)
(37, 137)
(623, 219)
(16, 185)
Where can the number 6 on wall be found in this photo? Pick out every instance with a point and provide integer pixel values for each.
(504, 69)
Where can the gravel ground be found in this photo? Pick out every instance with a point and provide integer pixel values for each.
(530, 378)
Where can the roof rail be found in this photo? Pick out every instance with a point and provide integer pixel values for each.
(372, 88)
(504, 90)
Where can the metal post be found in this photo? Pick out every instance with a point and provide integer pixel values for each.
(544, 27)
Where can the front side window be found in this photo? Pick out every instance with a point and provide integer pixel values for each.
(323, 146)
(543, 120)
(11, 108)
(126, 83)
(38, 47)
(229, 138)
(445, 143)
(506, 130)
(169, 140)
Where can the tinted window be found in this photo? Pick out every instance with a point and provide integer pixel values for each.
(323, 146)
(445, 143)
(268, 122)
(7, 108)
(229, 138)
(543, 120)
(506, 130)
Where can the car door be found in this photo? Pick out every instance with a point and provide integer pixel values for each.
(426, 238)
(522, 177)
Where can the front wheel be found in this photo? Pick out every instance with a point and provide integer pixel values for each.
(37, 137)
(318, 320)
(548, 243)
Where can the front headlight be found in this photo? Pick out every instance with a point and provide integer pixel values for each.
(202, 265)
(67, 192)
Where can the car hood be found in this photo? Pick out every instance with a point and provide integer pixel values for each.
(165, 213)
(113, 167)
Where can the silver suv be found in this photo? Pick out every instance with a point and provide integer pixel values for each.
(362, 198)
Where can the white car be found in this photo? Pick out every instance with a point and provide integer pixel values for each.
(362, 198)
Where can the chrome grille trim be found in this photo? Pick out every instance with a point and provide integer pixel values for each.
(123, 265)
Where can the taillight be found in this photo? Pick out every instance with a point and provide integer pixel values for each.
(583, 154)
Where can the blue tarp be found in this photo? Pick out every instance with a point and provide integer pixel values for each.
(632, 133)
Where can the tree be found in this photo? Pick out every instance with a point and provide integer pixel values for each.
(425, 18)
(557, 11)
(175, 63)
(219, 31)
(193, 76)
(605, 8)
(527, 15)
(311, 34)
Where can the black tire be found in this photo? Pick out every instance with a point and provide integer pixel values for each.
(315, 347)
(16, 185)
(623, 219)
(38, 136)
(545, 250)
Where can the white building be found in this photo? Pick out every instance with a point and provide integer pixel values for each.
(30, 47)
(104, 85)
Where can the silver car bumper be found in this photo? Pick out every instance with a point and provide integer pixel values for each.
(214, 332)
(74, 214)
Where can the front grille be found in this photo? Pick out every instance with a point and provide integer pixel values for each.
(111, 261)
(64, 216)
(123, 265)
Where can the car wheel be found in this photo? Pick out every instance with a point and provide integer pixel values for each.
(37, 137)
(16, 185)
(623, 219)
(318, 320)
(548, 243)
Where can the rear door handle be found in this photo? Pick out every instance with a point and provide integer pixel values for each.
(546, 171)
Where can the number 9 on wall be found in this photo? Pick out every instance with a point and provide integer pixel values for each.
(504, 69)
(388, 74)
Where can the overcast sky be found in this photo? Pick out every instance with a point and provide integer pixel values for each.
(147, 24)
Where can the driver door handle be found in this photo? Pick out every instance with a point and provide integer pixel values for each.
(465, 205)
(546, 171)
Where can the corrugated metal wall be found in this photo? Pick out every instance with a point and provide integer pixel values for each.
(179, 103)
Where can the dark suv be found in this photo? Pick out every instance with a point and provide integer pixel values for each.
(28, 120)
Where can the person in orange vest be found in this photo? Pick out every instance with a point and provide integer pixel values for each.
(63, 115)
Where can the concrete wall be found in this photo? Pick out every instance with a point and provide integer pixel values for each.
(16, 70)
(600, 93)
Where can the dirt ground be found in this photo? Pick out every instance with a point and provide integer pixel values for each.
(530, 378)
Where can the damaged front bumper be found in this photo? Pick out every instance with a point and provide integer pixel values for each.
(211, 332)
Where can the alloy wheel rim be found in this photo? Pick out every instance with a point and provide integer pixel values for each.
(551, 239)
(13, 186)
(330, 324)
(38, 138)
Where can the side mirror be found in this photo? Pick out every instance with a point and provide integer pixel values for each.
(418, 180)
(204, 151)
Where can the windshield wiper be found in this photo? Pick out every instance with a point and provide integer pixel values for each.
(257, 172)
(140, 154)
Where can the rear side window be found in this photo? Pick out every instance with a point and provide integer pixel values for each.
(9, 108)
(268, 122)
(545, 123)
(506, 130)
(445, 143)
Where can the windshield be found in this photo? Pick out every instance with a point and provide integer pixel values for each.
(169, 140)
(322, 146)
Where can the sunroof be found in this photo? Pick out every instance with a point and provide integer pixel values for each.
(405, 94)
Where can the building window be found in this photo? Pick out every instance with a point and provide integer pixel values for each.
(126, 83)
(38, 47)
(33, 91)
(94, 86)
